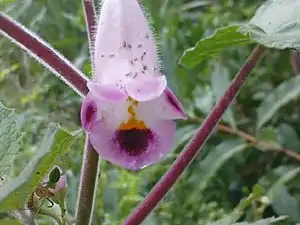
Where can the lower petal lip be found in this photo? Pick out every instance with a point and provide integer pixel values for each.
(133, 142)
(160, 142)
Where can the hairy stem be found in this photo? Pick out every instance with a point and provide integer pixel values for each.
(44, 53)
(90, 162)
(90, 19)
(88, 181)
(195, 144)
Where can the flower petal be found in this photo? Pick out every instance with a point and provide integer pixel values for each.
(166, 107)
(146, 88)
(103, 139)
(107, 92)
(123, 29)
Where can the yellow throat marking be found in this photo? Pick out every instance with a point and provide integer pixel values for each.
(132, 122)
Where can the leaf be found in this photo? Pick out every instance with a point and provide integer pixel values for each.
(14, 193)
(230, 220)
(223, 38)
(288, 137)
(281, 200)
(268, 134)
(267, 221)
(184, 133)
(10, 138)
(10, 222)
(276, 24)
(219, 82)
(284, 203)
(214, 161)
(280, 96)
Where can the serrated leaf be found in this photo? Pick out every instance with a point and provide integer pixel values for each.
(223, 38)
(288, 137)
(14, 193)
(10, 138)
(276, 24)
(219, 82)
(214, 161)
(280, 96)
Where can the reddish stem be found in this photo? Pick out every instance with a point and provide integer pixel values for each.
(44, 53)
(90, 161)
(195, 144)
(90, 19)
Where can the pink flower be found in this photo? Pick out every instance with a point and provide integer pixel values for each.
(129, 110)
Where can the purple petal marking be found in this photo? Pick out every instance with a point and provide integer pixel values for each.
(88, 112)
(173, 101)
(134, 141)
(146, 88)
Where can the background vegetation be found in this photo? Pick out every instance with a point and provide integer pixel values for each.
(253, 146)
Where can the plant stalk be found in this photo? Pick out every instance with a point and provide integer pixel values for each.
(195, 145)
(44, 54)
(91, 162)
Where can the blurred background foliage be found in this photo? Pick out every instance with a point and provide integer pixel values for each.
(229, 165)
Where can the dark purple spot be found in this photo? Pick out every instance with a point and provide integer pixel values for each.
(111, 55)
(147, 36)
(102, 56)
(135, 141)
(145, 67)
(129, 46)
(173, 101)
(124, 44)
(140, 45)
(135, 59)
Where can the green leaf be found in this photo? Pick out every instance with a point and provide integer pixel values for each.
(267, 221)
(232, 218)
(223, 38)
(219, 82)
(268, 134)
(276, 24)
(281, 200)
(284, 203)
(183, 134)
(280, 96)
(15, 192)
(288, 137)
(214, 161)
(10, 138)
(10, 222)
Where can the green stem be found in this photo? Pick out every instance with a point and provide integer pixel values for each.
(88, 181)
